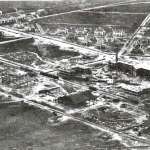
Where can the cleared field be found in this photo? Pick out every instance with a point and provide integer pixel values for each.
(130, 8)
(91, 18)
(53, 7)
(28, 128)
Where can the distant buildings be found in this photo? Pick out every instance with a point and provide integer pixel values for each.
(118, 33)
(61, 31)
(99, 32)
(94, 33)
(11, 18)
(98, 37)
(80, 31)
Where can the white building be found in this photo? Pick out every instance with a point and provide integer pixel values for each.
(62, 31)
(109, 38)
(99, 32)
(80, 31)
(11, 18)
(118, 33)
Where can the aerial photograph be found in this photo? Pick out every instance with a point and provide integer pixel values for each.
(75, 75)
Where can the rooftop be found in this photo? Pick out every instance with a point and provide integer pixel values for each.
(137, 89)
(140, 62)
(80, 97)
(11, 15)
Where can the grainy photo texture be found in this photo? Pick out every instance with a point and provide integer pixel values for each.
(75, 75)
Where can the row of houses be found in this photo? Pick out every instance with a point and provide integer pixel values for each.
(98, 32)
(12, 18)
(87, 36)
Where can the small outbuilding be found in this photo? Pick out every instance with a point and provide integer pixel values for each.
(76, 99)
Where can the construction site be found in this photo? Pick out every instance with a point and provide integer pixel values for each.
(89, 79)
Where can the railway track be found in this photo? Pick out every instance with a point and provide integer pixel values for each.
(103, 128)
(89, 123)
(15, 64)
(114, 95)
(121, 97)
(53, 41)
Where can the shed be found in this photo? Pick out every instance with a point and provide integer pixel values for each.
(76, 99)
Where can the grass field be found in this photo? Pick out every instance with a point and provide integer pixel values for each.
(130, 8)
(53, 7)
(28, 128)
(92, 18)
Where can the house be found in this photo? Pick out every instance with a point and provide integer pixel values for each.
(99, 32)
(90, 36)
(62, 30)
(109, 38)
(80, 31)
(118, 33)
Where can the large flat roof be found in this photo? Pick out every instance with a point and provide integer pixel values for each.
(139, 62)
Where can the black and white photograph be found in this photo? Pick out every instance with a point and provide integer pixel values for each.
(74, 74)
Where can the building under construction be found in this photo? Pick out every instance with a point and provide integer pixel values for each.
(130, 68)
(13, 79)
(78, 73)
